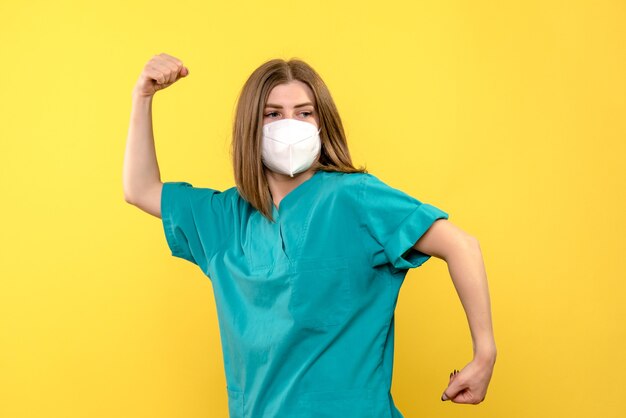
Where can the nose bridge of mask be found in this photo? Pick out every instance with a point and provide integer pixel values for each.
(290, 131)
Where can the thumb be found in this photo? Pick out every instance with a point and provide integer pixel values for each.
(451, 391)
(184, 72)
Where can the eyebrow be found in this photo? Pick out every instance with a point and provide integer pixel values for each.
(280, 107)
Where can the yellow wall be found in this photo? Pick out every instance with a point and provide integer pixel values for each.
(508, 115)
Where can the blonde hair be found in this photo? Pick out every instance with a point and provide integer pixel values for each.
(248, 168)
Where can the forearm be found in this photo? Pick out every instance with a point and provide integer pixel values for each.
(141, 169)
(468, 274)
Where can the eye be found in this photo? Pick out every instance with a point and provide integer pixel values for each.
(307, 113)
(271, 113)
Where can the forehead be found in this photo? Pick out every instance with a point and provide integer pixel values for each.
(292, 93)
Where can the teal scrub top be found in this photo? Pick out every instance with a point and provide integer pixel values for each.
(306, 304)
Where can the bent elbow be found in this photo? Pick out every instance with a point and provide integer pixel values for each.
(472, 240)
(128, 198)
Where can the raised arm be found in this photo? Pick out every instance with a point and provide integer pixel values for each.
(141, 177)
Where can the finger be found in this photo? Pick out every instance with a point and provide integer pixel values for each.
(154, 74)
(161, 72)
(167, 68)
(172, 73)
(464, 396)
(174, 64)
(171, 58)
(445, 397)
(452, 390)
(468, 396)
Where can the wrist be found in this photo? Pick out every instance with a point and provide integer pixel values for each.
(486, 354)
(138, 96)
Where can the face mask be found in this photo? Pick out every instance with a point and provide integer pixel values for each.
(290, 146)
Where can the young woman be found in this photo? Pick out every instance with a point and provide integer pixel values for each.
(306, 254)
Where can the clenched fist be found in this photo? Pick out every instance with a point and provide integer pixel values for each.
(160, 72)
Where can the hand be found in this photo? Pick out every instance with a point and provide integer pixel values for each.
(160, 72)
(470, 384)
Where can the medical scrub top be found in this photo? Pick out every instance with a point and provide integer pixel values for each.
(305, 304)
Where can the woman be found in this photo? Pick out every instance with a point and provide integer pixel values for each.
(306, 254)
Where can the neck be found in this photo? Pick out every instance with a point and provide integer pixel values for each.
(281, 184)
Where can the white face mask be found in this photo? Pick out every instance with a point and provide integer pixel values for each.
(290, 146)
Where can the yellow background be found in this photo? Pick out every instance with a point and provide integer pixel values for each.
(508, 115)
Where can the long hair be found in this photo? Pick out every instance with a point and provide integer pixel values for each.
(246, 144)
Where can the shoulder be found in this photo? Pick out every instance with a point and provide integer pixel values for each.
(199, 198)
(232, 200)
(341, 181)
(368, 191)
(352, 184)
(346, 188)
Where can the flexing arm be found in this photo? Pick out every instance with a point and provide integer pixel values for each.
(141, 176)
(465, 263)
(142, 180)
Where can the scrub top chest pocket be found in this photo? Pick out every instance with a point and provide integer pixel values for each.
(321, 292)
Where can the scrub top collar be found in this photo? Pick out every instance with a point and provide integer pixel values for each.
(293, 194)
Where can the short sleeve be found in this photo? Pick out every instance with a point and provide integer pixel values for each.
(394, 221)
(195, 221)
